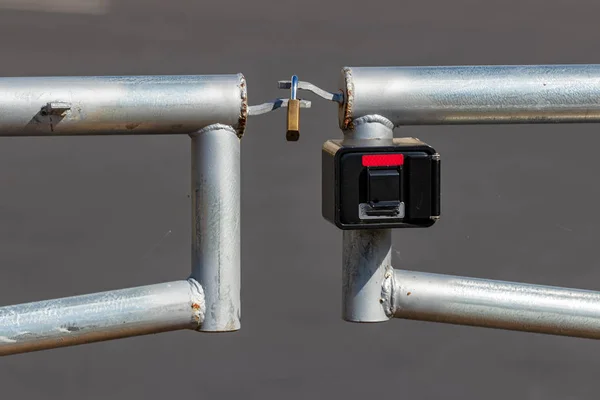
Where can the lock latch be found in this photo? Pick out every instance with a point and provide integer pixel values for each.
(294, 104)
(396, 185)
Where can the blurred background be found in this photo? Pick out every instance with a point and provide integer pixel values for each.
(88, 214)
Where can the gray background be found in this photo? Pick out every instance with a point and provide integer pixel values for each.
(88, 214)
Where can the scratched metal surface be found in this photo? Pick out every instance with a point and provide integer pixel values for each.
(81, 215)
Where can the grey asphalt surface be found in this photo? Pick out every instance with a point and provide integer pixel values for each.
(87, 214)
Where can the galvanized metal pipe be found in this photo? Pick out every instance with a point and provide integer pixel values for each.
(125, 105)
(216, 224)
(367, 254)
(101, 316)
(472, 94)
(496, 304)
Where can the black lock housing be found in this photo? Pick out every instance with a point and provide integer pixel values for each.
(392, 186)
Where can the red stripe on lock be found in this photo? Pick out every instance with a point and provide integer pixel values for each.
(382, 160)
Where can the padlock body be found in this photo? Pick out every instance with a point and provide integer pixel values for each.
(293, 119)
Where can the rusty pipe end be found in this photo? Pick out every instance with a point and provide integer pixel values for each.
(243, 118)
(346, 85)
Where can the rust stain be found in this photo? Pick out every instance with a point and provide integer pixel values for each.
(409, 293)
(195, 315)
(132, 126)
(243, 119)
(346, 107)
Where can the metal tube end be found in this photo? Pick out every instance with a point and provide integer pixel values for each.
(346, 85)
(244, 109)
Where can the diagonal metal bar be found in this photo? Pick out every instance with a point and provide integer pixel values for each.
(496, 304)
(101, 316)
(302, 85)
(274, 105)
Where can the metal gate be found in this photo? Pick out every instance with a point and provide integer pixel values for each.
(213, 111)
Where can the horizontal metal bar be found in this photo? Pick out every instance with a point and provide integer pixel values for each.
(496, 304)
(472, 94)
(125, 105)
(101, 316)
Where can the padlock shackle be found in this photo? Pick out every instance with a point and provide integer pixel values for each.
(294, 87)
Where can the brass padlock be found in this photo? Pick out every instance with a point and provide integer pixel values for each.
(293, 121)
(293, 113)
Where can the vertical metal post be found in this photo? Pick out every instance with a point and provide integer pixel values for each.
(216, 224)
(367, 254)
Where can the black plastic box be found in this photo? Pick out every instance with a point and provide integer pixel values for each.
(392, 186)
